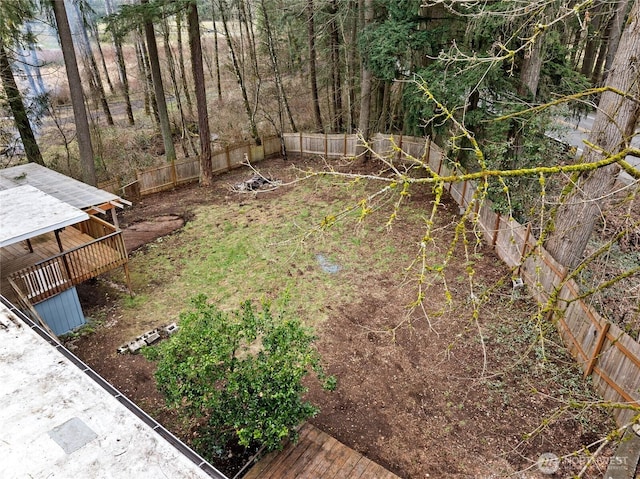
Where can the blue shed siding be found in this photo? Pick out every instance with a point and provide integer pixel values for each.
(62, 312)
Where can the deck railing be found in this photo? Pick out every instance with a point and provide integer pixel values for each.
(65, 270)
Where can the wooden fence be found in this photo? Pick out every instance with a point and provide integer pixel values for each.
(605, 352)
(327, 145)
(169, 176)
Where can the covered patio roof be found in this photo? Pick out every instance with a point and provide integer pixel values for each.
(27, 212)
(64, 188)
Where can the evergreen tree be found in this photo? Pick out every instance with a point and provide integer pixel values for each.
(14, 15)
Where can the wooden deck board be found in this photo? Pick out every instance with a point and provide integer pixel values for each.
(274, 459)
(330, 452)
(297, 455)
(317, 455)
(306, 459)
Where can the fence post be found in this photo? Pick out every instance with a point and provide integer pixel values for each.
(228, 157)
(495, 230)
(526, 242)
(428, 152)
(463, 197)
(454, 172)
(326, 146)
(525, 245)
(345, 145)
(597, 350)
(174, 174)
(301, 152)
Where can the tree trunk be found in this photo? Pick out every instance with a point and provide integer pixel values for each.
(365, 81)
(183, 73)
(593, 42)
(596, 75)
(612, 130)
(313, 76)
(352, 65)
(282, 97)
(576, 48)
(614, 35)
(122, 69)
(142, 71)
(530, 72)
(83, 132)
(171, 67)
(336, 76)
(246, 20)
(385, 114)
(378, 97)
(216, 50)
(239, 77)
(195, 48)
(92, 65)
(18, 110)
(156, 75)
(96, 37)
(397, 119)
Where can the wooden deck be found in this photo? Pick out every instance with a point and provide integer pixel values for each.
(17, 256)
(317, 455)
(84, 257)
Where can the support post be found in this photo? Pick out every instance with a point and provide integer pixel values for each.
(114, 217)
(128, 278)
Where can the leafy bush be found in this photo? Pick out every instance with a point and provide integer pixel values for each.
(238, 375)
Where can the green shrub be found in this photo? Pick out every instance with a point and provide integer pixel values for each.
(238, 375)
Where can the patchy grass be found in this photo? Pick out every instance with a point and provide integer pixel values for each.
(261, 248)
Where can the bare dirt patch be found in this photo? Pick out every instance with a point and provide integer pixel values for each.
(434, 393)
(143, 232)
